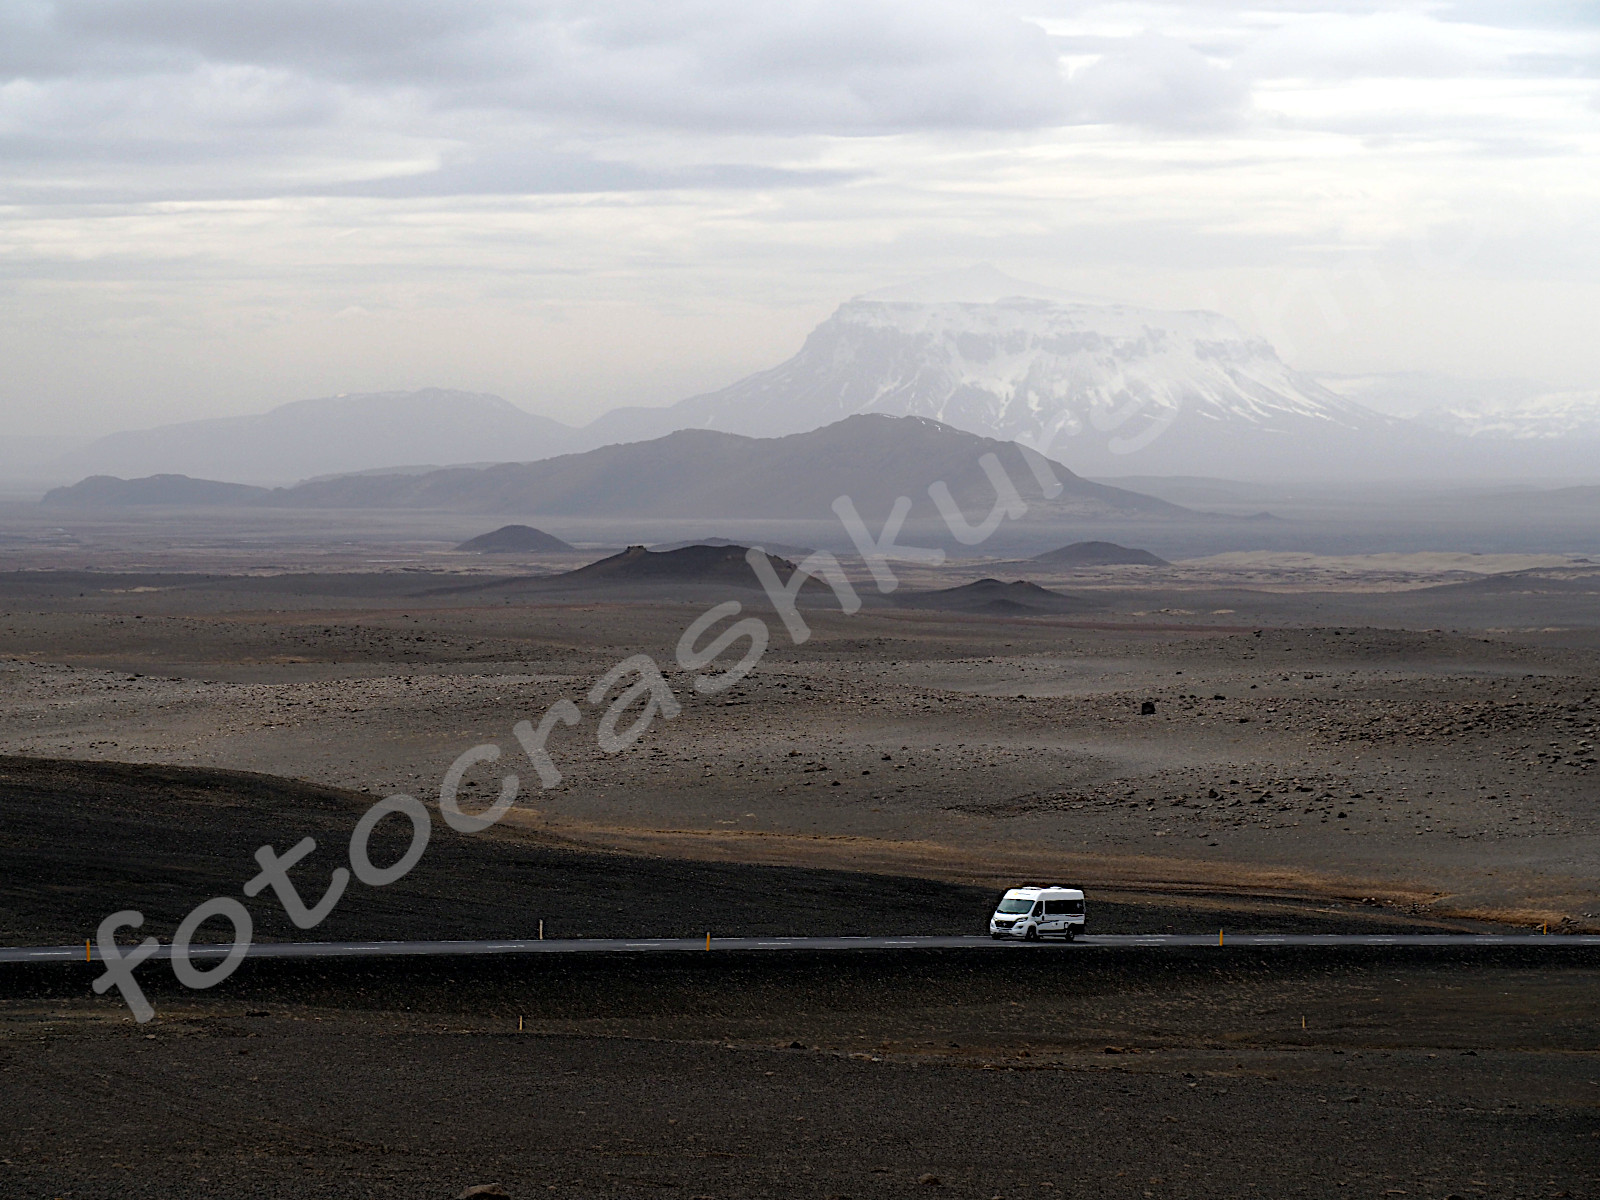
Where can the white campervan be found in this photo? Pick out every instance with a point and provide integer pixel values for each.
(1033, 912)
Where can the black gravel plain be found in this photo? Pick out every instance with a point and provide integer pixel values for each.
(81, 840)
(1218, 1073)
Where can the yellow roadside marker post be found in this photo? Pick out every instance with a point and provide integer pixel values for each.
(1219, 937)
(86, 957)
(708, 939)
(541, 931)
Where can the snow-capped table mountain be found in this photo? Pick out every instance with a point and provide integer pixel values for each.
(1104, 387)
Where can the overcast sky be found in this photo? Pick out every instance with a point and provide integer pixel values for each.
(216, 206)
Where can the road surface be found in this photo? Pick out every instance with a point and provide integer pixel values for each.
(83, 953)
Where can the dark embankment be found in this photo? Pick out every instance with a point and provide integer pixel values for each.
(80, 840)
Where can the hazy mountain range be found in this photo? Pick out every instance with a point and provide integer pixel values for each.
(1106, 388)
(690, 473)
(1490, 409)
(333, 435)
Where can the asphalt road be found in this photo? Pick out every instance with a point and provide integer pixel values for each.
(972, 942)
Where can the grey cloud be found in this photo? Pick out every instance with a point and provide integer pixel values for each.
(556, 174)
(414, 97)
(1406, 45)
(286, 93)
(167, 171)
(834, 66)
(1525, 14)
(1160, 82)
(839, 66)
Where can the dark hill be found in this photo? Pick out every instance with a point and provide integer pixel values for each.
(85, 839)
(782, 549)
(691, 564)
(1019, 598)
(699, 473)
(107, 491)
(515, 539)
(1098, 554)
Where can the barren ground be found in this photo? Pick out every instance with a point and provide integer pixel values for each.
(1445, 768)
(1345, 743)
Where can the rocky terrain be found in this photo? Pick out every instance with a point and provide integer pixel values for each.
(1209, 1072)
(1213, 1074)
(1452, 771)
(1308, 743)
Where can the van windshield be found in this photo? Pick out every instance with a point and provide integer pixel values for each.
(1015, 904)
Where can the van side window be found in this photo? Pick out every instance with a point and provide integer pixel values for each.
(1054, 907)
(1072, 906)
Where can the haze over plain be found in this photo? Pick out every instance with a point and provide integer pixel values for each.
(212, 213)
(435, 410)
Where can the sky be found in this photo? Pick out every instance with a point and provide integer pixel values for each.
(211, 207)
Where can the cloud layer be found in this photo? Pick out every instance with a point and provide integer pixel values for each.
(205, 182)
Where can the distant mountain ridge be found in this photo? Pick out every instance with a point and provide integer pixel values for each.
(1546, 416)
(696, 473)
(107, 491)
(1108, 388)
(701, 473)
(335, 435)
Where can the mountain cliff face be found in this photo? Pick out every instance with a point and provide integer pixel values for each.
(1103, 387)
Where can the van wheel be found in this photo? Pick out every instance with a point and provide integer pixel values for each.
(1072, 933)
(1033, 933)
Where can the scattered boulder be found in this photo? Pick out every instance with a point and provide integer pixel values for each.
(930, 1180)
(485, 1191)
(1147, 708)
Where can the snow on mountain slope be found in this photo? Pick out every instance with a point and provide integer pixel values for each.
(1545, 416)
(1091, 383)
(1490, 409)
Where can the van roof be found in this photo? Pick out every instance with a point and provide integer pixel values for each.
(1034, 891)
